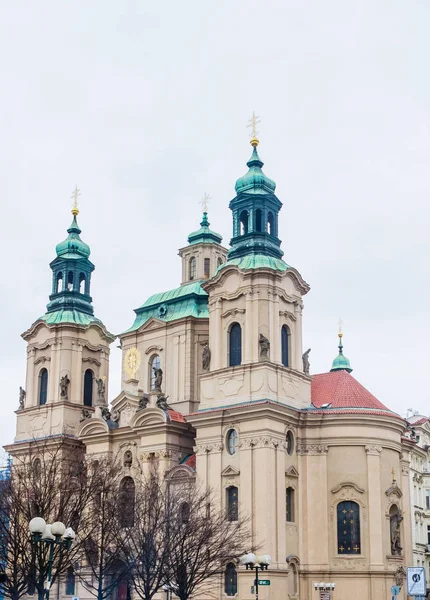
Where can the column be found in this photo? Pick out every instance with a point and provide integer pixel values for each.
(375, 524)
(407, 522)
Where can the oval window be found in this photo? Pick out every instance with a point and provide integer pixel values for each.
(290, 442)
(232, 441)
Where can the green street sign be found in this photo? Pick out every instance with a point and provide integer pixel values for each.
(264, 582)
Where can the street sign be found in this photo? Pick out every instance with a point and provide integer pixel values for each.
(264, 582)
(395, 590)
(416, 581)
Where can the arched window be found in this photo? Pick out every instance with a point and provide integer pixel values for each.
(232, 441)
(271, 223)
(70, 280)
(258, 220)
(127, 499)
(235, 345)
(59, 283)
(154, 363)
(207, 268)
(43, 386)
(232, 503)
(243, 222)
(289, 512)
(88, 387)
(348, 528)
(192, 268)
(82, 283)
(230, 580)
(219, 262)
(70, 582)
(289, 439)
(284, 346)
(185, 512)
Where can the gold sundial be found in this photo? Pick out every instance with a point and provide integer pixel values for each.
(132, 361)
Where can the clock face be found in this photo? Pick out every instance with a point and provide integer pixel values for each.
(132, 362)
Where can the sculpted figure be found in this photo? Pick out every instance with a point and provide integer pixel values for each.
(264, 346)
(306, 363)
(101, 388)
(162, 402)
(206, 358)
(143, 403)
(158, 379)
(85, 415)
(64, 387)
(105, 412)
(395, 521)
(21, 397)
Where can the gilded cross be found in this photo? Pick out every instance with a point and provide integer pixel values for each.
(252, 123)
(341, 548)
(356, 548)
(74, 196)
(205, 201)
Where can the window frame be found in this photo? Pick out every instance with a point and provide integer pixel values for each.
(230, 587)
(232, 504)
(192, 268)
(348, 505)
(232, 446)
(290, 504)
(285, 346)
(235, 353)
(87, 396)
(43, 386)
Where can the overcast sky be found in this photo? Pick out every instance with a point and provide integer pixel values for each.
(144, 105)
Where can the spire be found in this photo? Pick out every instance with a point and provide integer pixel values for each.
(341, 363)
(204, 235)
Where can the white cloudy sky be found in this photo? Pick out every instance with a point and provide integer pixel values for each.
(144, 106)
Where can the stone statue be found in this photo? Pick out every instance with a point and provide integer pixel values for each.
(395, 520)
(306, 363)
(105, 412)
(85, 415)
(264, 346)
(158, 379)
(64, 385)
(128, 459)
(21, 398)
(143, 403)
(101, 388)
(162, 402)
(114, 415)
(206, 357)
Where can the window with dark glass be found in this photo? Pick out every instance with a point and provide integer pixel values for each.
(70, 582)
(348, 528)
(284, 346)
(232, 503)
(232, 441)
(207, 267)
(230, 580)
(127, 499)
(258, 220)
(235, 349)
(289, 438)
(88, 388)
(290, 504)
(192, 268)
(43, 386)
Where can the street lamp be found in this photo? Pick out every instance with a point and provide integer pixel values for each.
(256, 562)
(55, 534)
(324, 589)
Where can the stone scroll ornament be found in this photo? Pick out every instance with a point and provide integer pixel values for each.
(21, 398)
(64, 387)
(206, 358)
(306, 363)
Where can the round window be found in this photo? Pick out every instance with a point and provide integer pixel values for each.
(232, 441)
(290, 442)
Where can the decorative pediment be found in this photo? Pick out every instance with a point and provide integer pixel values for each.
(150, 324)
(344, 492)
(233, 312)
(291, 472)
(347, 484)
(153, 349)
(42, 359)
(93, 426)
(288, 315)
(149, 416)
(91, 360)
(230, 471)
(394, 491)
(180, 473)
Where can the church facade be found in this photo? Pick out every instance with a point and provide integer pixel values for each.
(216, 386)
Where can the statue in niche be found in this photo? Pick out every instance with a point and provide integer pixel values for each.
(306, 363)
(101, 389)
(85, 415)
(21, 398)
(64, 387)
(206, 357)
(105, 412)
(395, 519)
(162, 402)
(143, 403)
(264, 344)
(128, 458)
(158, 379)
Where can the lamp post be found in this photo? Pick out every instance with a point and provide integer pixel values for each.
(53, 535)
(253, 562)
(324, 589)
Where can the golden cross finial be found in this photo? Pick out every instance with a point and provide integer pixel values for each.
(252, 123)
(76, 193)
(205, 201)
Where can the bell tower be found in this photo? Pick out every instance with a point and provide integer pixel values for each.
(67, 348)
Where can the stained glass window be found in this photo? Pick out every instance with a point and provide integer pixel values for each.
(230, 580)
(348, 528)
(232, 503)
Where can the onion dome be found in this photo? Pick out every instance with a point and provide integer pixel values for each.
(255, 181)
(73, 246)
(341, 363)
(204, 235)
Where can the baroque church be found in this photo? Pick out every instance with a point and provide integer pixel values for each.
(216, 386)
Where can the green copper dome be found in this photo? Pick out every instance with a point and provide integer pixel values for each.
(255, 181)
(73, 246)
(204, 235)
(341, 363)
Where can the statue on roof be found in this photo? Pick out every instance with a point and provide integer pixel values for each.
(264, 344)
(158, 379)
(85, 415)
(101, 389)
(162, 402)
(21, 398)
(306, 363)
(64, 387)
(206, 357)
(143, 403)
(105, 413)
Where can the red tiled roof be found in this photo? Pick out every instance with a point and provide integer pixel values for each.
(419, 422)
(341, 390)
(176, 416)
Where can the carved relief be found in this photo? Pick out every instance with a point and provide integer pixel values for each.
(373, 450)
(206, 448)
(42, 359)
(350, 564)
(313, 449)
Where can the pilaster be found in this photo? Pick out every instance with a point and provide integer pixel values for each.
(376, 550)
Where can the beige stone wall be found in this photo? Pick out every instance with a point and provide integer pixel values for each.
(215, 253)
